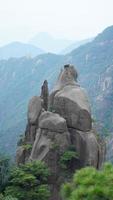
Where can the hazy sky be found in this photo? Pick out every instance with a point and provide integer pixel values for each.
(72, 19)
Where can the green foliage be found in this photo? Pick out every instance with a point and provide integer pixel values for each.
(4, 171)
(67, 157)
(27, 146)
(51, 109)
(7, 197)
(29, 182)
(1, 196)
(54, 146)
(90, 184)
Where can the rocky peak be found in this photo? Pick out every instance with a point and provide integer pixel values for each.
(65, 127)
(67, 76)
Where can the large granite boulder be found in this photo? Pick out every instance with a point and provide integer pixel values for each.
(72, 104)
(52, 122)
(52, 132)
(34, 109)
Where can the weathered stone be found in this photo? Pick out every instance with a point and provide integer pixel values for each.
(52, 132)
(71, 103)
(52, 122)
(67, 76)
(45, 94)
(34, 109)
(30, 133)
(86, 146)
(70, 100)
(52, 140)
(20, 156)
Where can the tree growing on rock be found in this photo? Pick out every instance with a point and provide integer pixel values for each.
(90, 184)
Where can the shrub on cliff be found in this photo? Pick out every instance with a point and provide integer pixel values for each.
(90, 184)
(29, 182)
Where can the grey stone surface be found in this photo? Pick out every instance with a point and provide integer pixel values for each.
(72, 103)
(67, 76)
(52, 132)
(45, 94)
(53, 122)
(86, 146)
(34, 109)
(30, 133)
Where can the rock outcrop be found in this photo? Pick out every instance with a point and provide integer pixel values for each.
(65, 127)
(45, 94)
(52, 132)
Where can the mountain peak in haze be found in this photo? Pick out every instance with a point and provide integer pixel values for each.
(49, 43)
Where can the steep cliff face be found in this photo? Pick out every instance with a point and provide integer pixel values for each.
(64, 129)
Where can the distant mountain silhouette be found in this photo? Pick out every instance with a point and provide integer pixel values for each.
(45, 41)
(19, 49)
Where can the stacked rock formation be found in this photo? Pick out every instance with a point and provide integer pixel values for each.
(67, 123)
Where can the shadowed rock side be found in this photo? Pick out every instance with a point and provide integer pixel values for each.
(65, 127)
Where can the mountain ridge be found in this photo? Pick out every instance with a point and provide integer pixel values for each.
(19, 49)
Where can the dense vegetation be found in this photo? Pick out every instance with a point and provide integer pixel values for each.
(90, 184)
(29, 181)
(4, 171)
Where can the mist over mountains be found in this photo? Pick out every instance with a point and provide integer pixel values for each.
(21, 78)
(49, 43)
(39, 44)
